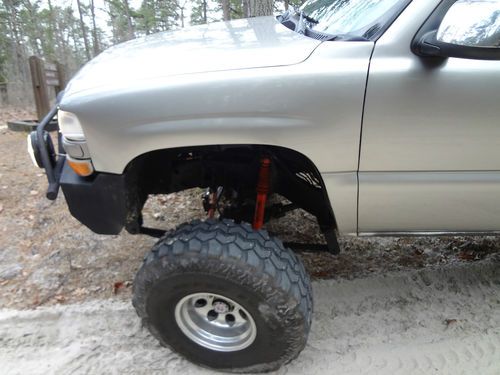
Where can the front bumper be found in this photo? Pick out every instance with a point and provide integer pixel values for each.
(98, 202)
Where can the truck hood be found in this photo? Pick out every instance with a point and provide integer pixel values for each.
(242, 44)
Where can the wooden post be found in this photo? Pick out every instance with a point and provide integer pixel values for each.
(39, 86)
(4, 94)
(61, 75)
(43, 76)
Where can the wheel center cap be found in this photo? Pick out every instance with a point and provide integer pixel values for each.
(221, 307)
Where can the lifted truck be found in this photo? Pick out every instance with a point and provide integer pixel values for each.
(377, 117)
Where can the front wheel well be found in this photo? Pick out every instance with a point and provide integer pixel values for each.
(293, 176)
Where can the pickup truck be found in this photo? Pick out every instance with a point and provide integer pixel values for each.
(378, 117)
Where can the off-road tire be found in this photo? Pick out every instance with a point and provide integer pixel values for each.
(233, 260)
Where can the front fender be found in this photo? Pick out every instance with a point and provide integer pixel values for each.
(313, 107)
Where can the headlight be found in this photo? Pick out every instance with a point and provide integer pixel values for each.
(70, 126)
(73, 141)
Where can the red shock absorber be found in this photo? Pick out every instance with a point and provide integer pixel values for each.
(262, 191)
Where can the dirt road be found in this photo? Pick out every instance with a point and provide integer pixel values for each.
(444, 320)
(391, 305)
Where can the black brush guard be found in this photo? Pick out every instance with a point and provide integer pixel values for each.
(52, 170)
(98, 201)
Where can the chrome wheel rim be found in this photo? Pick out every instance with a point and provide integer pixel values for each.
(215, 322)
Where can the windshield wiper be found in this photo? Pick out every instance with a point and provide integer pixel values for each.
(349, 38)
(301, 25)
(308, 18)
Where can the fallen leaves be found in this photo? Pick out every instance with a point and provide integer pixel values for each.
(468, 255)
(120, 285)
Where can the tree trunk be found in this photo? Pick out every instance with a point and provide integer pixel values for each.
(244, 6)
(32, 32)
(181, 8)
(54, 42)
(95, 39)
(131, 31)
(226, 11)
(84, 31)
(204, 12)
(260, 8)
(17, 47)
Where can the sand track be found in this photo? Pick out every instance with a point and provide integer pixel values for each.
(442, 320)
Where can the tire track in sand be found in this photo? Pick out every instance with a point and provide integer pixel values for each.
(444, 320)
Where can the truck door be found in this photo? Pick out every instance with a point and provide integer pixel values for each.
(430, 149)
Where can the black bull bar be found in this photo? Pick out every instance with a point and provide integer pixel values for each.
(46, 158)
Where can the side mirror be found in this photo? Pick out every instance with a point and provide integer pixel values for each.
(470, 30)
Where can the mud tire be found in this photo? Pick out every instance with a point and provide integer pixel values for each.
(248, 266)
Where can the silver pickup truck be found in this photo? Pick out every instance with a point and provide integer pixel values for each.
(378, 117)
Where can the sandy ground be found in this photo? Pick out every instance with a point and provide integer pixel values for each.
(422, 305)
(433, 321)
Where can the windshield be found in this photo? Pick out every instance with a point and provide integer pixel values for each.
(362, 18)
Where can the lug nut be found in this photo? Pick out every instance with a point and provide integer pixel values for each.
(212, 315)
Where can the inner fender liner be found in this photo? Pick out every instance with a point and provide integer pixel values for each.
(98, 202)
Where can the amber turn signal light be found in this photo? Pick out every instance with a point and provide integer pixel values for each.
(82, 168)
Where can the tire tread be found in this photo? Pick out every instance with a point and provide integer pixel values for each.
(230, 242)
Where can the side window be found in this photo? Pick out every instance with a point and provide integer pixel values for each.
(473, 23)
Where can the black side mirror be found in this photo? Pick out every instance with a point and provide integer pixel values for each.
(430, 46)
(470, 30)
